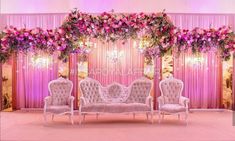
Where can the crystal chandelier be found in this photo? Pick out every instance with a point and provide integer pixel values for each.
(114, 55)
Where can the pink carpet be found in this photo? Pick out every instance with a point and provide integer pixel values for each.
(203, 126)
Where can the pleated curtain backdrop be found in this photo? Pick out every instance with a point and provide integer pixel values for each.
(32, 81)
(128, 66)
(202, 78)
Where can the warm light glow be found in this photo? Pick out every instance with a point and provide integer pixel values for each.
(86, 45)
(142, 44)
(41, 61)
(114, 55)
(195, 60)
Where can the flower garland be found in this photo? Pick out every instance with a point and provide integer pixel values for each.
(15, 40)
(154, 33)
(202, 40)
(156, 27)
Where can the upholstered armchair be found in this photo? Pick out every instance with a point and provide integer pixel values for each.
(60, 101)
(171, 100)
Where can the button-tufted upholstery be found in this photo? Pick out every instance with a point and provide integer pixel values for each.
(139, 91)
(171, 100)
(91, 91)
(60, 100)
(60, 92)
(114, 93)
(115, 98)
(171, 91)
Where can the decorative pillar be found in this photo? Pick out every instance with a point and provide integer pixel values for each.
(14, 82)
(233, 84)
(227, 82)
(73, 76)
(7, 85)
(157, 79)
(1, 103)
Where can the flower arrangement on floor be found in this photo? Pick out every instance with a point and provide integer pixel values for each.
(154, 33)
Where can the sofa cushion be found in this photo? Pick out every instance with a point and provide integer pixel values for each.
(173, 108)
(58, 108)
(115, 107)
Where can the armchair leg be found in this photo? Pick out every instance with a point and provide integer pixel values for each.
(71, 119)
(97, 115)
(186, 117)
(52, 117)
(159, 116)
(45, 117)
(152, 117)
(147, 116)
(133, 115)
(84, 116)
(163, 115)
(80, 118)
(178, 116)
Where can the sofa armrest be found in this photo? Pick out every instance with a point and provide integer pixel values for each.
(47, 101)
(184, 101)
(149, 101)
(82, 101)
(160, 101)
(70, 101)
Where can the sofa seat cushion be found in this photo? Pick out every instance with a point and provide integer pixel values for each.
(115, 107)
(173, 108)
(58, 108)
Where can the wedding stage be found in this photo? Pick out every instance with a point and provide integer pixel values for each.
(158, 72)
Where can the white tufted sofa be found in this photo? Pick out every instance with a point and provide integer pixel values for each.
(171, 100)
(60, 100)
(115, 98)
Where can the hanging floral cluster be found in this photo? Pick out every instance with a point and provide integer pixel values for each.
(15, 40)
(155, 27)
(202, 40)
(154, 35)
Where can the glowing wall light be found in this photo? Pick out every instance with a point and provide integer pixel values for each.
(40, 61)
(195, 60)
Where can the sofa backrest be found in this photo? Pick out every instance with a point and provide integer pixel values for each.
(171, 90)
(139, 91)
(60, 90)
(90, 90)
(114, 93)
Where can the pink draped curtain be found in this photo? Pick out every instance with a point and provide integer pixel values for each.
(32, 81)
(202, 78)
(127, 68)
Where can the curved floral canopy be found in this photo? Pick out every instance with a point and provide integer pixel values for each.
(156, 28)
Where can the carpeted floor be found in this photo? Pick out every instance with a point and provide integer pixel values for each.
(203, 126)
